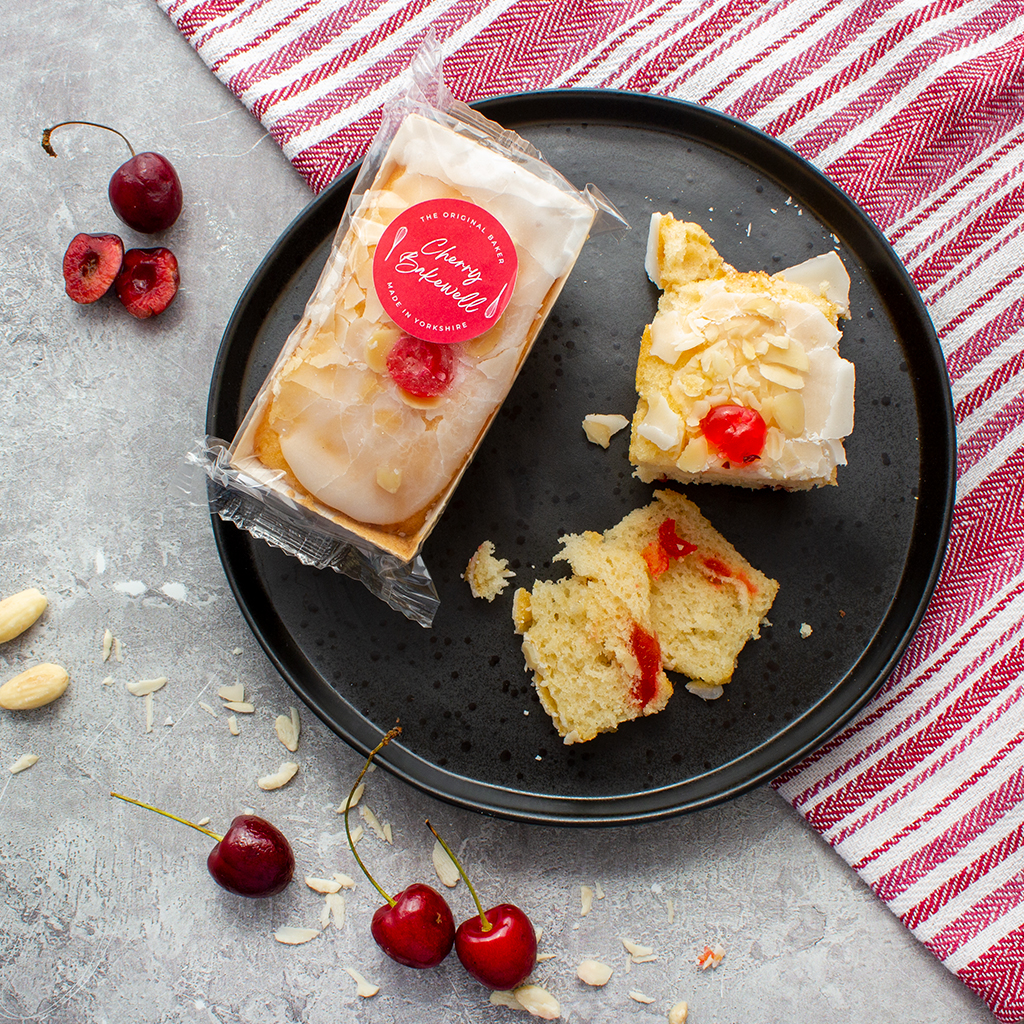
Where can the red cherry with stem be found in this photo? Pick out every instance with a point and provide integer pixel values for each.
(253, 858)
(416, 927)
(498, 947)
(737, 432)
(144, 191)
(423, 368)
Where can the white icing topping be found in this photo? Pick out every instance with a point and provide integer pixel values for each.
(651, 258)
(823, 275)
(661, 426)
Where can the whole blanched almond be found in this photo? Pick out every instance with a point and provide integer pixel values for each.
(34, 688)
(19, 611)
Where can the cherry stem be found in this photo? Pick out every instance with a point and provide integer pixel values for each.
(388, 737)
(91, 124)
(485, 925)
(167, 814)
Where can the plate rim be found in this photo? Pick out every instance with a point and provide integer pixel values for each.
(670, 114)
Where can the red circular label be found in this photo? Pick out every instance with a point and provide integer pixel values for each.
(444, 270)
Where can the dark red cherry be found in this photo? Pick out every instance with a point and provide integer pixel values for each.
(737, 432)
(498, 947)
(145, 191)
(253, 858)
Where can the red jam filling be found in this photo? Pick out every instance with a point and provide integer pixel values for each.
(659, 553)
(719, 569)
(423, 368)
(737, 432)
(647, 651)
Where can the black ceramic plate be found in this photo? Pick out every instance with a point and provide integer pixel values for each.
(856, 562)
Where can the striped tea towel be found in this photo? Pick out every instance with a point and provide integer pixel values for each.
(916, 109)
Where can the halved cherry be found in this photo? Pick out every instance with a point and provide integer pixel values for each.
(91, 264)
(148, 281)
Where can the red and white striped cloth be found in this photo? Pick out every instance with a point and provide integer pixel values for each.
(916, 109)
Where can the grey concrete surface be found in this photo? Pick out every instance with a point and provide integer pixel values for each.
(107, 913)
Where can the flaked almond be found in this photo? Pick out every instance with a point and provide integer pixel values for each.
(236, 691)
(323, 885)
(34, 688)
(503, 997)
(108, 644)
(288, 728)
(364, 988)
(280, 778)
(345, 881)
(233, 725)
(241, 706)
(295, 936)
(206, 707)
(19, 611)
(640, 997)
(444, 866)
(23, 762)
(336, 904)
(593, 972)
(635, 949)
(144, 686)
(586, 900)
(353, 798)
(678, 1013)
(373, 822)
(538, 1002)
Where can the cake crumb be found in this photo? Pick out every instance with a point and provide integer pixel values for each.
(600, 428)
(711, 957)
(486, 575)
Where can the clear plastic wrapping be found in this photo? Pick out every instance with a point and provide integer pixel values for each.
(454, 246)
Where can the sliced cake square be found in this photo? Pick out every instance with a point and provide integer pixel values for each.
(739, 378)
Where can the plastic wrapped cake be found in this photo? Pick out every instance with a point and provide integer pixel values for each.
(456, 243)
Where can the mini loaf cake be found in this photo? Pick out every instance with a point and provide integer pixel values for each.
(372, 411)
(738, 377)
(662, 589)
